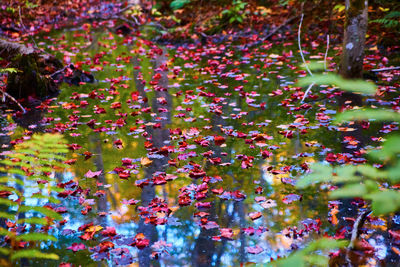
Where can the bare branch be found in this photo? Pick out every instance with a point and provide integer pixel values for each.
(299, 42)
(326, 52)
(307, 91)
(13, 100)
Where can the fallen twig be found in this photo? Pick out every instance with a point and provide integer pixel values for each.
(14, 100)
(326, 52)
(355, 233)
(306, 92)
(386, 69)
(302, 57)
(299, 43)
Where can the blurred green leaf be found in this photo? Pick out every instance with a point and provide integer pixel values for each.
(178, 4)
(357, 86)
(368, 114)
(349, 191)
(394, 173)
(33, 253)
(314, 66)
(5, 251)
(307, 256)
(384, 202)
(33, 220)
(10, 70)
(7, 215)
(390, 149)
(5, 232)
(45, 211)
(320, 173)
(35, 237)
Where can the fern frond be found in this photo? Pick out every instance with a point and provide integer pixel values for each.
(31, 161)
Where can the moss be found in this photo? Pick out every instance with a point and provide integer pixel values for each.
(356, 8)
(29, 81)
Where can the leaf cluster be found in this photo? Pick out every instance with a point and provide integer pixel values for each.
(311, 255)
(364, 181)
(28, 179)
(390, 20)
(235, 14)
(357, 86)
(178, 4)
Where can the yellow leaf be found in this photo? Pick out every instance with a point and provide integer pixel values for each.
(94, 228)
(145, 161)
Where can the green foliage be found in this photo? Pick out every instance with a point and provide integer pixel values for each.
(284, 2)
(30, 5)
(308, 256)
(339, 8)
(235, 14)
(31, 161)
(11, 10)
(390, 20)
(358, 86)
(33, 253)
(178, 4)
(366, 114)
(10, 70)
(364, 180)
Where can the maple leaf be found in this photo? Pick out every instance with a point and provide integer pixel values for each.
(70, 161)
(141, 241)
(219, 140)
(87, 154)
(109, 231)
(291, 198)
(91, 174)
(226, 233)
(395, 234)
(105, 246)
(254, 250)
(4, 193)
(76, 247)
(130, 201)
(118, 144)
(145, 161)
(255, 215)
(268, 204)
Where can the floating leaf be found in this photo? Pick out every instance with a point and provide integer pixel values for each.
(145, 161)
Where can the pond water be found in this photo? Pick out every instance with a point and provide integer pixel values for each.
(193, 147)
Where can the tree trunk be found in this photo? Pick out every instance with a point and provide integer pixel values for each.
(102, 206)
(158, 136)
(351, 65)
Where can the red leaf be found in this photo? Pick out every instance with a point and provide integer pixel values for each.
(105, 246)
(91, 174)
(255, 215)
(254, 250)
(219, 140)
(227, 233)
(291, 198)
(76, 247)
